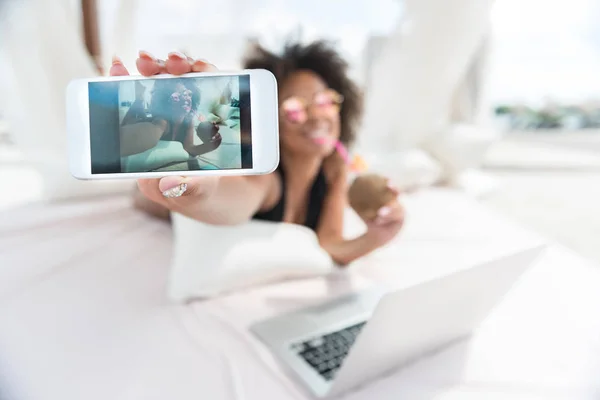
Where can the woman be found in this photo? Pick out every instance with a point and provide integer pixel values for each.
(173, 109)
(319, 104)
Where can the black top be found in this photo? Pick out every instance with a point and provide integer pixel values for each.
(180, 135)
(315, 202)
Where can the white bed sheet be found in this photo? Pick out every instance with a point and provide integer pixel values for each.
(83, 312)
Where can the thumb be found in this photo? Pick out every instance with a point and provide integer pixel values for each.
(178, 186)
(177, 189)
(393, 188)
(174, 186)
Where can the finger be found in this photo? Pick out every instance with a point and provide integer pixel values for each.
(396, 215)
(389, 222)
(176, 192)
(393, 188)
(390, 213)
(117, 68)
(149, 65)
(186, 195)
(203, 66)
(178, 64)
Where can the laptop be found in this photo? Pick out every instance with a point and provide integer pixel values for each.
(339, 345)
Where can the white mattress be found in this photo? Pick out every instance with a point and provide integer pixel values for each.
(83, 312)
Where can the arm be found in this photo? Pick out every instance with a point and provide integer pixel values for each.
(198, 150)
(220, 200)
(235, 200)
(330, 230)
(216, 200)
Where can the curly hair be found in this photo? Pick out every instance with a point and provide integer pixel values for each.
(321, 58)
(160, 103)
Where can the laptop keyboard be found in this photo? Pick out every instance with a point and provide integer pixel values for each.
(326, 353)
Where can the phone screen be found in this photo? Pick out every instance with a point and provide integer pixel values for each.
(170, 124)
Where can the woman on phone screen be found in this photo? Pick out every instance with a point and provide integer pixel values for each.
(172, 115)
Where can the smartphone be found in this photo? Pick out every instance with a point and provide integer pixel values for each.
(209, 123)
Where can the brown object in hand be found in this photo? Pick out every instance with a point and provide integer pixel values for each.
(368, 193)
(206, 131)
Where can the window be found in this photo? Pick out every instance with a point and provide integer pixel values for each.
(545, 63)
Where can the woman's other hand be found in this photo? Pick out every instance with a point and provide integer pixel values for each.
(207, 131)
(180, 194)
(216, 140)
(387, 224)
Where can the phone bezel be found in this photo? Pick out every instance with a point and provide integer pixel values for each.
(264, 120)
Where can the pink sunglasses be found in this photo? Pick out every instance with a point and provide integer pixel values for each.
(295, 109)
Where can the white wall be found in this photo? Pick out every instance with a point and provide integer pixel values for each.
(43, 50)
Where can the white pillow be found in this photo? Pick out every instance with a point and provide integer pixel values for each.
(209, 260)
(164, 153)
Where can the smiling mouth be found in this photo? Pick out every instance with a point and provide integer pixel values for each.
(320, 136)
(319, 133)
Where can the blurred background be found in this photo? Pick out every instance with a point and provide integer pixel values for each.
(500, 98)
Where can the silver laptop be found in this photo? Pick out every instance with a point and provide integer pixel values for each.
(337, 346)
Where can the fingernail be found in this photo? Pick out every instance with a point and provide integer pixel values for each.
(176, 191)
(172, 186)
(383, 211)
(116, 60)
(202, 66)
(177, 55)
(146, 56)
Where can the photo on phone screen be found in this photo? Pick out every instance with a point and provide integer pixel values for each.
(170, 124)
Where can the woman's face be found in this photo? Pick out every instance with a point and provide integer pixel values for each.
(181, 99)
(309, 115)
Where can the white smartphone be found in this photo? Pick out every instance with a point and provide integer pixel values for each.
(210, 123)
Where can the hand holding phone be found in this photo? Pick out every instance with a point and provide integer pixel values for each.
(159, 190)
(206, 195)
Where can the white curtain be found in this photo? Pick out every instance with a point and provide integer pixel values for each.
(470, 103)
(430, 77)
(41, 51)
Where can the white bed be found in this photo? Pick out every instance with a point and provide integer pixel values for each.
(84, 315)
